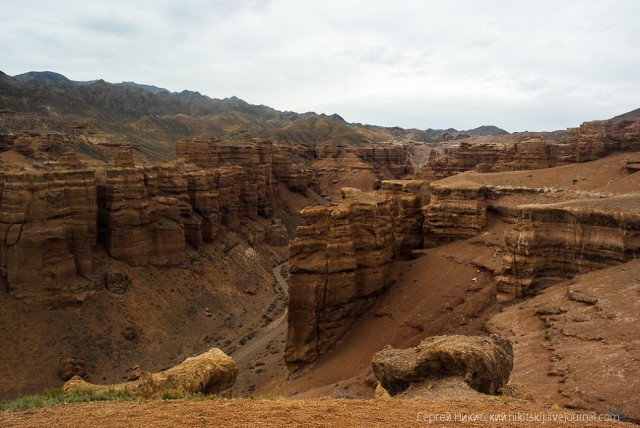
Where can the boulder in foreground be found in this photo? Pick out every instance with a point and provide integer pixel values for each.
(207, 373)
(482, 363)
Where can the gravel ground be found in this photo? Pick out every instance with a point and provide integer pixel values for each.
(490, 412)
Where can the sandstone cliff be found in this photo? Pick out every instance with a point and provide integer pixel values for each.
(454, 212)
(47, 231)
(553, 242)
(406, 198)
(338, 264)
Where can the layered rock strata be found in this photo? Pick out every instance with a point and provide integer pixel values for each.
(407, 198)
(136, 224)
(590, 141)
(553, 242)
(595, 139)
(243, 173)
(47, 231)
(533, 153)
(338, 265)
(454, 212)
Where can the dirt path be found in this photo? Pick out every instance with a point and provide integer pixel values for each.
(255, 346)
(260, 361)
(490, 412)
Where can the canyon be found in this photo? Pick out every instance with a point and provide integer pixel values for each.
(525, 232)
(142, 240)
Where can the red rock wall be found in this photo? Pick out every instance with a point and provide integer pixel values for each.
(47, 230)
(554, 242)
(453, 213)
(338, 266)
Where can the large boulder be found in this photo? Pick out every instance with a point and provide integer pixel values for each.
(482, 363)
(207, 373)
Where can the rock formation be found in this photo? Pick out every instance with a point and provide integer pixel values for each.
(483, 363)
(595, 139)
(136, 224)
(454, 212)
(407, 198)
(47, 231)
(144, 215)
(488, 156)
(207, 373)
(553, 242)
(338, 264)
(244, 172)
(591, 141)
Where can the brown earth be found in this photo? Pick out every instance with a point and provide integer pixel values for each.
(474, 412)
(452, 289)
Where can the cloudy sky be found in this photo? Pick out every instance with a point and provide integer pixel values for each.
(521, 65)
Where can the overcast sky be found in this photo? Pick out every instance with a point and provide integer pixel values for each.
(520, 65)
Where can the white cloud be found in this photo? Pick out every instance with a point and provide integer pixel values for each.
(461, 63)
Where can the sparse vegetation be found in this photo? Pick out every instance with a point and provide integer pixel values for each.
(55, 396)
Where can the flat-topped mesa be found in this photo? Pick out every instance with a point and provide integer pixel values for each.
(454, 212)
(338, 265)
(407, 198)
(553, 242)
(47, 230)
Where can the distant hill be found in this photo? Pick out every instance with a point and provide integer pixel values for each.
(42, 76)
(486, 130)
(153, 118)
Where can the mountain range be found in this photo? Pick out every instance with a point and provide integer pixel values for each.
(153, 118)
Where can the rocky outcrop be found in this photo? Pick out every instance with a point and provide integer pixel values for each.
(207, 373)
(454, 212)
(72, 366)
(483, 363)
(590, 141)
(242, 171)
(136, 224)
(406, 198)
(595, 139)
(553, 242)
(481, 156)
(47, 230)
(338, 265)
